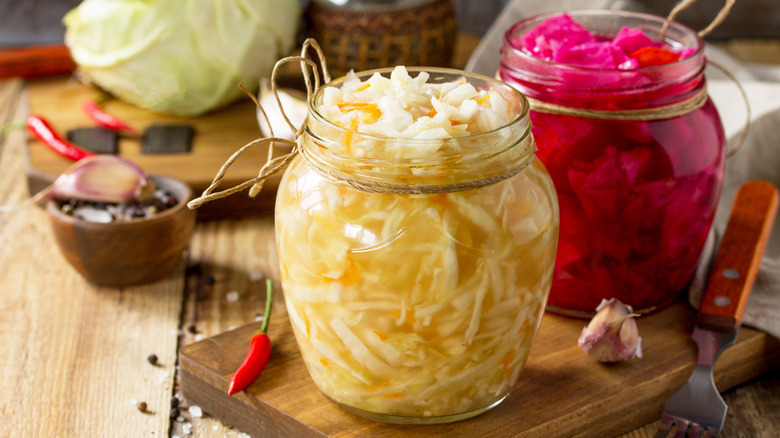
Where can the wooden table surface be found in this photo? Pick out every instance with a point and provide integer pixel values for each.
(73, 356)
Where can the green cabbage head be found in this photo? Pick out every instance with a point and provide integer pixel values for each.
(179, 57)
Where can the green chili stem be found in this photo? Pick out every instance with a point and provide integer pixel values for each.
(269, 295)
(8, 127)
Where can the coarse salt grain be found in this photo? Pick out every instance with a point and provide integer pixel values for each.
(186, 428)
(232, 296)
(196, 411)
(93, 214)
(198, 337)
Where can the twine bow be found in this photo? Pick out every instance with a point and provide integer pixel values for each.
(272, 165)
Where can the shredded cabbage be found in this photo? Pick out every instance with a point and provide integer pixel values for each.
(435, 316)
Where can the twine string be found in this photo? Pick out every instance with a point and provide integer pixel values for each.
(311, 75)
(273, 165)
(656, 113)
(365, 185)
(719, 18)
(748, 112)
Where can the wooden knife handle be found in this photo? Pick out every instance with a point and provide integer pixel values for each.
(36, 61)
(739, 256)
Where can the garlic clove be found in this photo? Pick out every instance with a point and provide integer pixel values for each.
(103, 178)
(294, 104)
(612, 334)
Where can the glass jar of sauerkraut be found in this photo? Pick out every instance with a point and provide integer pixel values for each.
(416, 234)
(635, 147)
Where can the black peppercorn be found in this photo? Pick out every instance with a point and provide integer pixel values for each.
(152, 359)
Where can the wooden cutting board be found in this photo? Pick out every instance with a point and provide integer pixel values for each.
(561, 391)
(217, 136)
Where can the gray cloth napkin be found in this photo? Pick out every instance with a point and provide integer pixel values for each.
(758, 158)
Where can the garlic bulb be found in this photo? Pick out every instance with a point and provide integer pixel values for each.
(612, 334)
(294, 105)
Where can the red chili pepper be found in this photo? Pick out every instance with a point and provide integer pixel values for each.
(104, 119)
(651, 56)
(259, 352)
(41, 129)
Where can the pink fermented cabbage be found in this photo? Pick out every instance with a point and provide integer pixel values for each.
(561, 39)
(636, 202)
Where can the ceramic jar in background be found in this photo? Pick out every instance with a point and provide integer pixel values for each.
(416, 306)
(637, 196)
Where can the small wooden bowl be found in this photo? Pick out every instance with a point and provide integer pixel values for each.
(129, 252)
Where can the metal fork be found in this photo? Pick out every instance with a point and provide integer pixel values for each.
(697, 409)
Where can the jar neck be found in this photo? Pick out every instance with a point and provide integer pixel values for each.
(601, 88)
(452, 164)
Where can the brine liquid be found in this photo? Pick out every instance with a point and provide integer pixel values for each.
(416, 306)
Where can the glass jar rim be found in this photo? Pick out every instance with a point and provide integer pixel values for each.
(458, 164)
(671, 25)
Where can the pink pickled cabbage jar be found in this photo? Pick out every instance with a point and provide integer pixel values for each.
(637, 196)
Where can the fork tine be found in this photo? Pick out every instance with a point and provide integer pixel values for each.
(681, 430)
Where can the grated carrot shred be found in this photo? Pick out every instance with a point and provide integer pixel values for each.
(353, 127)
(482, 100)
(396, 395)
(381, 336)
(507, 360)
(523, 326)
(439, 198)
(364, 86)
(377, 386)
(371, 111)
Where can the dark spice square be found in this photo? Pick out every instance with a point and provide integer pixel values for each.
(95, 139)
(167, 139)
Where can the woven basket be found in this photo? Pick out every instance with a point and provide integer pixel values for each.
(360, 39)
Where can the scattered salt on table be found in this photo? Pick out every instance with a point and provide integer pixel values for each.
(232, 296)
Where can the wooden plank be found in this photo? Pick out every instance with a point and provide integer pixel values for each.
(75, 355)
(561, 392)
